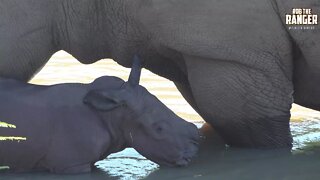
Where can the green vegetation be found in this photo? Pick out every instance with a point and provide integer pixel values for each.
(4, 167)
(7, 125)
(10, 138)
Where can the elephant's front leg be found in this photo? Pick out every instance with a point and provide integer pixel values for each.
(248, 107)
(185, 90)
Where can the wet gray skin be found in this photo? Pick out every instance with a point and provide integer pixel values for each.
(241, 74)
(155, 131)
(71, 126)
(147, 124)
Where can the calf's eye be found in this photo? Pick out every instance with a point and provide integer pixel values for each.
(159, 129)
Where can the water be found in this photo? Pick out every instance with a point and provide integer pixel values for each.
(215, 161)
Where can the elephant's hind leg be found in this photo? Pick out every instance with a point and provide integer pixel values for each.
(248, 107)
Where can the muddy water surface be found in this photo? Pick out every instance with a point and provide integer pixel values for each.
(213, 162)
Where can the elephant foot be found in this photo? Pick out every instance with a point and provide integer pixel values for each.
(266, 133)
(211, 138)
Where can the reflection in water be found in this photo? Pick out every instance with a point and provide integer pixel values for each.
(215, 161)
(127, 164)
(305, 133)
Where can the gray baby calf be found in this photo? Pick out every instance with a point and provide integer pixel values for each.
(68, 127)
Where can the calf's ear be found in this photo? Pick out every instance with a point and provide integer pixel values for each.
(103, 100)
(135, 73)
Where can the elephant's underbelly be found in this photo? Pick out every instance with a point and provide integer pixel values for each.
(248, 34)
(306, 85)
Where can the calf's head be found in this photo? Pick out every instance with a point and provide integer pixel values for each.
(146, 124)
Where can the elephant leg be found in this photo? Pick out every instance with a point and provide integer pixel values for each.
(247, 107)
(22, 70)
(185, 90)
(23, 55)
(306, 83)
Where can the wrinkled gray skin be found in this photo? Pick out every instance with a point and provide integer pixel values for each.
(235, 63)
(71, 126)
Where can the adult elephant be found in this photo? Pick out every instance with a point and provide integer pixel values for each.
(236, 63)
